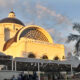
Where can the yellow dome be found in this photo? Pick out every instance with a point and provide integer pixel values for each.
(12, 19)
(35, 32)
(11, 15)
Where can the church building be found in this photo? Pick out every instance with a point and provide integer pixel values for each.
(19, 40)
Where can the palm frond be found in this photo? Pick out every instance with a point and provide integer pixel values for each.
(76, 27)
(77, 45)
(73, 37)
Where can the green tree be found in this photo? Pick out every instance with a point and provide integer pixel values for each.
(75, 37)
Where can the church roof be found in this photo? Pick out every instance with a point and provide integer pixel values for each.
(31, 32)
(12, 12)
(10, 41)
(11, 20)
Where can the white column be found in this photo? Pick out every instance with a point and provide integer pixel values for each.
(38, 71)
(15, 65)
(6, 68)
(71, 70)
(12, 64)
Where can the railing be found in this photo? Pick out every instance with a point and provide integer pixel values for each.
(69, 79)
(55, 79)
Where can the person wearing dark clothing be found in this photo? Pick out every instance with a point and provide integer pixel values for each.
(13, 77)
(35, 76)
(22, 76)
(25, 77)
(19, 77)
(30, 77)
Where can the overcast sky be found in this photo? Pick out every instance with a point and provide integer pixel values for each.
(56, 16)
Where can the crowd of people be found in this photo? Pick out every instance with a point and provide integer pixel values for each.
(23, 76)
(34, 76)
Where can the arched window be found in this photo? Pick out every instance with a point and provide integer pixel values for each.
(56, 58)
(44, 57)
(6, 34)
(63, 57)
(31, 55)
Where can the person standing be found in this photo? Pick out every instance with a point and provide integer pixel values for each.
(13, 77)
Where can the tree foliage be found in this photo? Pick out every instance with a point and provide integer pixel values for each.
(75, 37)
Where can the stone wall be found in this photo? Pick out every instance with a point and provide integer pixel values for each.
(8, 74)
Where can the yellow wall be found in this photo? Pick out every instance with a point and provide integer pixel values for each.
(12, 27)
(39, 48)
(1, 37)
